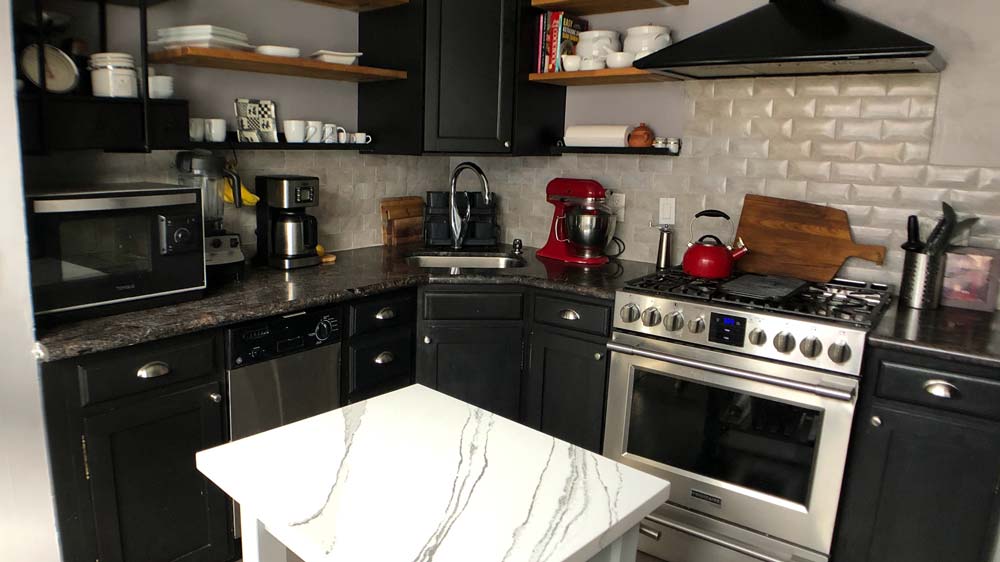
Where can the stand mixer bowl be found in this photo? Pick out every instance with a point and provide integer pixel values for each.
(589, 229)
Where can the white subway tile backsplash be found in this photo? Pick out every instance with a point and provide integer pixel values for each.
(827, 192)
(731, 127)
(922, 107)
(901, 174)
(885, 107)
(786, 189)
(691, 166)
(839, 107)
(774, 87)
(892, 216)
(706, 146)
(735, 88)
(863, 85)
(707, 184)
(989, 178)
(809, 170)
(975, 202)
(871, 235)
(711, 107)
(749, 148)
(767, 168)
(698, 126)
(795, 107)
(916, 152)
(699, 88)
(856, 214)
(806, 86)
(853, 172)
(859, 129)
(656, 165)
(880, 151)
(834, 150)
(922, 197)
(912, 84)
(727, 165)
(755, 107)
(617, 164)
(807, 128)
(739, 186)
(950, 176)
(790, 149)
(873, 193)
(907, 130)
(771, 128)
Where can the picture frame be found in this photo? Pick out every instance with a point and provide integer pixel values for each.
(971, 278)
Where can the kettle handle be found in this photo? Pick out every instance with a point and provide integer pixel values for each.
(710, 237)
(714, 213)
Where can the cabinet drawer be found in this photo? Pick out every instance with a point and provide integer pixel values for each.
(384, 312)
(473, 306)
(148, 367)
(378, 359)
(939, 389)
(574, 315)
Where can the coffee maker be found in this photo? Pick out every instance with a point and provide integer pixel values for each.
(286, 234)
(582, 223)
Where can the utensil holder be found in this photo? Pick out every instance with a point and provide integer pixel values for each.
(923, 276)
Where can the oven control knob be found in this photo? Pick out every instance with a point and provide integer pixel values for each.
(697, 325)
(651, 317)
(629, 313)
(784, 342)
(758, 337)
(839, 353)
(674, 321)
(182, 236)
(323, 330)
(811, 347)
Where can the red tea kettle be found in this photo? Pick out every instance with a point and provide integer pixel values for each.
(708, 257)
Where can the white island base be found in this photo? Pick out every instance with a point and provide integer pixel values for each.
(417, 476)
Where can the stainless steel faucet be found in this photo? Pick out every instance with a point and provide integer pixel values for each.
(458, 223)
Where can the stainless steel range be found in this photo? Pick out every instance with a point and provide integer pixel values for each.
(742, 394)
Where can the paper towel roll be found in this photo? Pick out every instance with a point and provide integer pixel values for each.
(597, 135)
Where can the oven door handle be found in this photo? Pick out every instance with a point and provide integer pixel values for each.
(713, 539)
(816, 389)
(52, 206)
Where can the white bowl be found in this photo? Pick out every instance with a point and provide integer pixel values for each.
(336, 57)
(278, 51)
(161, 87)
(620, 60)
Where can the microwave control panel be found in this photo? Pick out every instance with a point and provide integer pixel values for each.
(179, 234)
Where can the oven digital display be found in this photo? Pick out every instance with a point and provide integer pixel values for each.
(727, 330)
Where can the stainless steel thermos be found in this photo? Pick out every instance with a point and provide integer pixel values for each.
(663, 259)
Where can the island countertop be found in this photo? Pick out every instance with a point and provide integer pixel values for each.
(415, 475)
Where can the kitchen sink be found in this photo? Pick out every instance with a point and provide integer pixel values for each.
(466, 261)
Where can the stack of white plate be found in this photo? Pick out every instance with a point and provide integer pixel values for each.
(211, 36)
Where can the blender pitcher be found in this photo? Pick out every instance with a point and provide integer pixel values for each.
(208, 172)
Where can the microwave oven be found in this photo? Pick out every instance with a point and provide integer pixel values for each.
(114, 248)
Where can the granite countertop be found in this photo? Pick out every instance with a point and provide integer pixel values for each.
(953, 334)
(458, 482)
(357, 273)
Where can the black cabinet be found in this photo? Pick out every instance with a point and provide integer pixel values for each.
(379, 348)
(123, 429)
(567, 387)
(150, 503)
(468, 91)
(922, 482)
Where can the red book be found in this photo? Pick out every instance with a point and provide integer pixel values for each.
(540, 63)
(552, 39)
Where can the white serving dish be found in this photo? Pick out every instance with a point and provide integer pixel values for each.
(336, 57)
(278, 51)
(213, 43)
(201, 30)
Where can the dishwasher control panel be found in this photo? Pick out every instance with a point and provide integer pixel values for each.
(280, 336)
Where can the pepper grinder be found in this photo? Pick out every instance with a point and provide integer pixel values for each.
(663, 260)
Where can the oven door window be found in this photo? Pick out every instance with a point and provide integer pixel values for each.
(96, 248)
(753, 442)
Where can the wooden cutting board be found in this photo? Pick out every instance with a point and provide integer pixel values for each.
(402, 220)
(797, 239)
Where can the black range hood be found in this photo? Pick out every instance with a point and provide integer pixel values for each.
(793, 37)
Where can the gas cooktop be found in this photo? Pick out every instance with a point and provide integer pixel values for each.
(843, 301)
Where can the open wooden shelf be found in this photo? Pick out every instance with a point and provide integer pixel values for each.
(228, 59)
(588, 7)
(602, 77)
(359, 5)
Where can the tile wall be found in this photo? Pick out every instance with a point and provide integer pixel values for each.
(859, 143)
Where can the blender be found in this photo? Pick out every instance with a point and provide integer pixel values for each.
(224, 259)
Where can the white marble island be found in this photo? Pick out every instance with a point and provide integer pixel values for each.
(417, 476)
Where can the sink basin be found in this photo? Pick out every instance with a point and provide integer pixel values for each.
(466, 261)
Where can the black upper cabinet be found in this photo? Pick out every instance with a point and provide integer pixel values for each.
(468, 90)
(470, 75)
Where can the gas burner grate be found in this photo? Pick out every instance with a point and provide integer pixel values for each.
(841, 300)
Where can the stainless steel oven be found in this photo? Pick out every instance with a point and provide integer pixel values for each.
(98, 249)
(754, 449)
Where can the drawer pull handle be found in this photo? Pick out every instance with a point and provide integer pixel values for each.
(215, 397)
(941, 389)
(569, 314)
(152, 370)
(384, 358)
(385, 314)
(644, 530)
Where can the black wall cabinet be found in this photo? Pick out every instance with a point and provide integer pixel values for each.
(922, 482)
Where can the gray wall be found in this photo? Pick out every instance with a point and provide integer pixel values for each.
(27, 519)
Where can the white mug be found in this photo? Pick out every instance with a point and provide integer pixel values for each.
(592, 63)
(361, 138)
(215, 130)
(331, 132)
(295, 130)
(571, 63)
(343, 137)
(196, 129)
(314, 131)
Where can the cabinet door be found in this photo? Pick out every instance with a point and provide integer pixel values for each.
(477, 363)
(470, 75)
(150, 502)
(920, 488)
(566, 387)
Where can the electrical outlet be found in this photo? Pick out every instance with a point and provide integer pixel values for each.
(668, 208)
(618, 202)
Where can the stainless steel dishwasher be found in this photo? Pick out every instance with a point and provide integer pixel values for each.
(282, 370)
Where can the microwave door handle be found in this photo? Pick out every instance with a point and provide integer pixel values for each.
(53, 206)
(718, 541)
(816, 389)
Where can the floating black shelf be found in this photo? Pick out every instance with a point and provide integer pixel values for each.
(558, 150)
(232, 144)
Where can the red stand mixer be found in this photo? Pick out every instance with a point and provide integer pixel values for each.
(582, 223)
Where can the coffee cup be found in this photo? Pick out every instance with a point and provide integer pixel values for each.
(196, 129)
(331, 132)
(296, 130)
(571, 63)
(215, 130)
(361, 138)
(343, 137)
(314, 131)
(592, 63)
(161, 87)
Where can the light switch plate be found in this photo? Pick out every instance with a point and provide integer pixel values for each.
(668, 208)
(618, 202)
